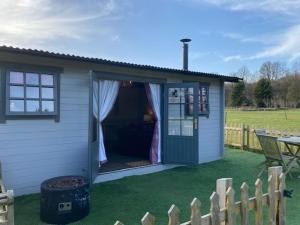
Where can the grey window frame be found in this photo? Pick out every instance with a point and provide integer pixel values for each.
(206, 86)
(6, 68)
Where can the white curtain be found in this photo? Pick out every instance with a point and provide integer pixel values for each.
(105, 93)
(155, 97)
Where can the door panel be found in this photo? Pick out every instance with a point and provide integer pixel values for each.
(93, 148)
(181, 123)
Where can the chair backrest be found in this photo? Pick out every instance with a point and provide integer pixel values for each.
(260, 131)
(269, 146)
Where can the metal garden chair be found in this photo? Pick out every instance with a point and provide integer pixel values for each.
(272, 153)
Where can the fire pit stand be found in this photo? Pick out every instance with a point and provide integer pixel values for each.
(64, 199)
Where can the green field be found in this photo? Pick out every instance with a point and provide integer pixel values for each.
(279, 119)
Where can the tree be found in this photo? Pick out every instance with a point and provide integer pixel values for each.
(244, 73)
(228, 93)
(296, 67)
(293, 93)
(238, 94)
(272, 71)
(279, 88)
(263, 93)
(249, 97)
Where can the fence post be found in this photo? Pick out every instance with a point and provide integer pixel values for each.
(230, 206)
(281, 206)
(244, 204)
(274, 184)
(272, 202)
(148, 219)
(221, 187)
(196, 212)
(242, 136)
(10, 207)
(214, 209)
(248, 136)
(174, 214)
(258, 203)
(118, 223)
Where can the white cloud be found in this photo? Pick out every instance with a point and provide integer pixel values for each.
(194, 55)
(288, 46)
(282, 44)
(115, 38)
(260, 38)
(32, 22)
(277, 6)
(232, 58)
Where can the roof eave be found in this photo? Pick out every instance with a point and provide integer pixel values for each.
(42, 53)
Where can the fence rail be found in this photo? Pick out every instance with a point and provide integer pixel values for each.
(224, 210)
(243, 136)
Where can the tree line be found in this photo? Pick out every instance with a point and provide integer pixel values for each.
(272, 86)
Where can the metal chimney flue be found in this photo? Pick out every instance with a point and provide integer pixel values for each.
(185, 42)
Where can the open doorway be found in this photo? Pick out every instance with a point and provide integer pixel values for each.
(128, 129)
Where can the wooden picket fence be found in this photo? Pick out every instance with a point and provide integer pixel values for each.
(243, 136)
(6, 204)
(224, 210)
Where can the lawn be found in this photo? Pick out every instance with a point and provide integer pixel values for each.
(129, 198)
(279, 119)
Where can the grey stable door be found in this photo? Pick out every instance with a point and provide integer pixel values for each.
(181, 123)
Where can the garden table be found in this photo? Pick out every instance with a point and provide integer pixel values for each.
(292, 141)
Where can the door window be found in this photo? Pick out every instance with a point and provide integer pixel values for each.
(180, 111)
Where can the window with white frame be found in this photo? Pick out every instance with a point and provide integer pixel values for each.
(203, 99)
(30, 93)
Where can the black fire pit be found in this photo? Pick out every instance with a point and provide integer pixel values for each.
(64, 199)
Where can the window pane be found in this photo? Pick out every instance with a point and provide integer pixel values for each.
(174, 127)
(203, 100)
(188, 95)
(189, 98)
(187, 128)
(174, 111)
(203, 108)
(47, 79)
(32, 92)
(188, 111)
(32, 78)
(174, 95)
(32, 106)
(16, 92)
(203, 90)
(48, 106)
(47, 93)
(16, 78)
(183, 93)
(16, 105)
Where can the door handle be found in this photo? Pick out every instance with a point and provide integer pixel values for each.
(196, 123)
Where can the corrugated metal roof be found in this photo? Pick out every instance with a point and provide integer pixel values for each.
(43, 53)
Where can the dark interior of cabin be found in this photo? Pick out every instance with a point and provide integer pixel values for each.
(128, 129)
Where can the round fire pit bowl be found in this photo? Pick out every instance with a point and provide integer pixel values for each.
(64, 199)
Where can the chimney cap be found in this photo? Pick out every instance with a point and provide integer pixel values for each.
(185, 40)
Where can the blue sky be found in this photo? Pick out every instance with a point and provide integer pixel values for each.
(226, 34)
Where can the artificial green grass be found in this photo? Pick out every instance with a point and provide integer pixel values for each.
(130, 198)
(279, 119)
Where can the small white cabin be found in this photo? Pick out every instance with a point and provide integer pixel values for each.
(70, 115)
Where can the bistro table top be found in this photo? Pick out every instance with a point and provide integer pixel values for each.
(290, 140)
